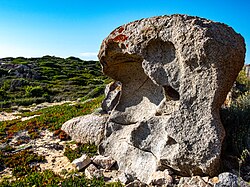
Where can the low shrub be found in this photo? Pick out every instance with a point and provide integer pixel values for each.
(236, 120)
(50, 118)
(3, 94)
(21, 161)
(34, 91)
(97, 91)
(72, 154)
(49, 178)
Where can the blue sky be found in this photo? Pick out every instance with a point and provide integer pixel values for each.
(33, 28)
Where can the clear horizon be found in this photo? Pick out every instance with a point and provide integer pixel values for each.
(76, 28)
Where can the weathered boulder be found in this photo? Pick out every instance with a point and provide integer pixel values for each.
(81, 162)
(93, 172)
(194, 181)
(175, 73)
(86, 129)
(103, 162)
(229, 179)
(161, 178)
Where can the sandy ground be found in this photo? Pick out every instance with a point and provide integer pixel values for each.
(4, 116)
(50, 147)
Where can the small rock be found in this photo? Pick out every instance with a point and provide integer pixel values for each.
(3, 146)
(193, 182)
(136, 183)
(214, 180)
(92, 172)
(81, 162)
(55, 146)
(104, 162)
(125, 178)
(160, 178)
(206, 179)
(111, 175)
(229, 179)
(22, 148)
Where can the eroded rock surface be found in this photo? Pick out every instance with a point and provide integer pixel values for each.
(175, 73)
(86, 129)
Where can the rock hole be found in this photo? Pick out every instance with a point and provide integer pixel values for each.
(171, 93)
(171, 141)
(169, 103)
(159, 51)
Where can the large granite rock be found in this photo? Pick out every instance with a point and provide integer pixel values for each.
(175, 73)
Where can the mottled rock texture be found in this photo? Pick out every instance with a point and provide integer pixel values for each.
(86, 129)
(175, 73)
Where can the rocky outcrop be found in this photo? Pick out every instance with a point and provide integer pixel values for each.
(175, 73)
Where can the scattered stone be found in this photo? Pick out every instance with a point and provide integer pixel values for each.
(86, 129)
(104, 162)
(205, 179)
(22, 148)
(229, 179)
(22, 109)
(3, 146)
(81, 162)
(137, 183)
(193, 182)
(93, 172)
(55, 146)
(111, 175)
(175, 73)
(125, 178)
(213, 180)
(160, 178)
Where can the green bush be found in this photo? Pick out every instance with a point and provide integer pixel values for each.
(3, 72)
(241, 86)
(6, 85)
(59, 77)
(35, 91)
(94, 93)
(3, 94)
(72, 154)
(243, 79)
(236, 121)
(28, 101)
(20, 60)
